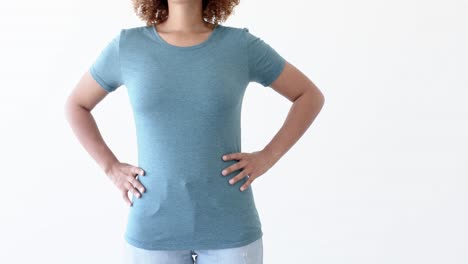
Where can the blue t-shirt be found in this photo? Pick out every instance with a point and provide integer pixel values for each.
(186, 103)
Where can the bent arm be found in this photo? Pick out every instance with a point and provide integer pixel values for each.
(307, 100)
(78, 106)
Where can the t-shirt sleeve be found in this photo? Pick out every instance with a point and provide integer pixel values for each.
(106, 67)
(264, 63)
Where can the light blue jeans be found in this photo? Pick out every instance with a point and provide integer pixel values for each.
(248, 254)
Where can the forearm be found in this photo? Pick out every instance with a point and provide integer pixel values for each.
(302, 113)
(86, 130)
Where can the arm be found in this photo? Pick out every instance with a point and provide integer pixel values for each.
(78, 106)
(307, 101)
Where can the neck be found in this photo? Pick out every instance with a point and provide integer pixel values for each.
(185, 16)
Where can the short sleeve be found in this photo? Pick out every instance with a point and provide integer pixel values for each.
(264, 63)
(106, 67)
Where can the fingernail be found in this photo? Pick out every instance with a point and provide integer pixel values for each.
(231, 181)
(224, 172)
(224, 157)
(242, 188)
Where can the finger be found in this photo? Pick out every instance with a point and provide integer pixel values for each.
(126, 199)
(231, 156)
(133, 190)
(137, 170)
(137, 184)
(238, 177)
(247, 183)
(236, 166)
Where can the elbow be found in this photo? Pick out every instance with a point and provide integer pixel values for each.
(70, 108)
(317, 99)
(321, 99)
(67, 108)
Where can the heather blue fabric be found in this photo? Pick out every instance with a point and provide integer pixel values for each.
(187, 104)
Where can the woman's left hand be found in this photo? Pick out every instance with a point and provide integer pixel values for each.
(252, 164)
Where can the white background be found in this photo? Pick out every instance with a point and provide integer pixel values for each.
(379, 177)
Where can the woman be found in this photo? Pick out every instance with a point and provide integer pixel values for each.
(186, 75)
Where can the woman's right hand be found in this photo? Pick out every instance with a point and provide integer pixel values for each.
(124, 176)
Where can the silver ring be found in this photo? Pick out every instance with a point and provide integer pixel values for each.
(248, 176)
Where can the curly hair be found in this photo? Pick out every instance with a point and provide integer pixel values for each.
(157, 11)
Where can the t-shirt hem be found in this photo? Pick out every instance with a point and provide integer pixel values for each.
(99, 80)
(275, 72)
(182, 246)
